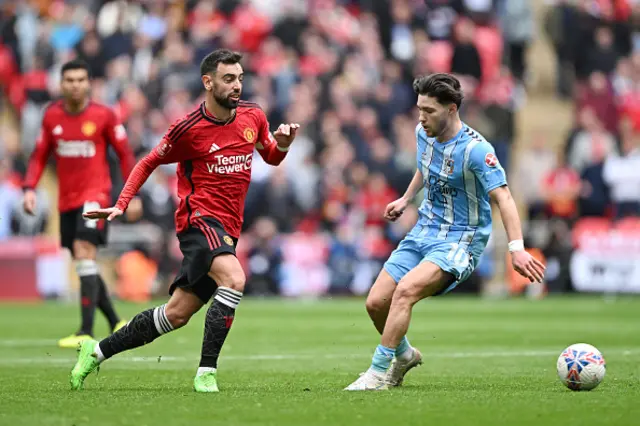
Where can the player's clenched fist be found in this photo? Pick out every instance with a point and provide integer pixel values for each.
(395, 209)
(285, 134)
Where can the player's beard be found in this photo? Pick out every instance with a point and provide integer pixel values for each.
(225, 101)
(440, 127)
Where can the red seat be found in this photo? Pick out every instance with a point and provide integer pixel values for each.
(629, 224)
(488, 41)
(589, 225)
(440, 54)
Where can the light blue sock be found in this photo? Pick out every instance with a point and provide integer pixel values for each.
(403, 346)
(382, 358)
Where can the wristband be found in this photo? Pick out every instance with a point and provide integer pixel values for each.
(282, 148)
(516, 245)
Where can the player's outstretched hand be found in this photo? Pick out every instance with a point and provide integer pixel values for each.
(395, 209)
(29, 202)
(528, 266)
(109, 213)
(286, 133)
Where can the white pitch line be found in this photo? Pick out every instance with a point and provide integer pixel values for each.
(19, 343)
(280, 357)
(26, 343)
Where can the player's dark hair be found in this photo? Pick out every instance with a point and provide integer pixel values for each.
(219, 56)
(444, 87)
(76, 64)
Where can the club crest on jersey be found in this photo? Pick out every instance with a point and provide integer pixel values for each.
(448, 166)
(490, 160)
(249, 134)
(227, 239)
(88, 128)
(163, 149)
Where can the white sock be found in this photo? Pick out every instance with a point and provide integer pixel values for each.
(98, 353)
(202, 370)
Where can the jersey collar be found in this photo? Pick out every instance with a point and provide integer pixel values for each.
(207, 116)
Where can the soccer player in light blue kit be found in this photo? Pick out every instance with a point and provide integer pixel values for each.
(461, 176)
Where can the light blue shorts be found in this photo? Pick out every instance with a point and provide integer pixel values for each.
(415, 248)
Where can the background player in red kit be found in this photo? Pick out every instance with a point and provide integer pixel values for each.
(78, 132)
(214, 147)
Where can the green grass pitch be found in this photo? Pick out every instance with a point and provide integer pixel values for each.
(286, 362)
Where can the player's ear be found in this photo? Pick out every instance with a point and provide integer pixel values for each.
(207, 81)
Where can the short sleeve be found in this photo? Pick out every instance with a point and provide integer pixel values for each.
(485, 165)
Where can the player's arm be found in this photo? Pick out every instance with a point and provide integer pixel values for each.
(395, 209)
(414, 187)
(484, 163)
(36, 166)
(116, 136)
(525, 264)
(169, 150)
(273, 148)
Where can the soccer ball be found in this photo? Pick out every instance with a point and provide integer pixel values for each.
(581, 367)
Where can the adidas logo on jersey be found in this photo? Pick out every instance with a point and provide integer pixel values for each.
(57, 130)
(214, 148)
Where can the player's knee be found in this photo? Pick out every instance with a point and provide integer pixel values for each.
(226, 271)
(235, 281)
(178, 316)
(84, 250)
(376, 305)
(407, 293)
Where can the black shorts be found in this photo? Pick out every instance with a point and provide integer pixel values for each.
(74, 227)
(199, 244)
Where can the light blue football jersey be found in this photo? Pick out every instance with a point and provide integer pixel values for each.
(458, 175)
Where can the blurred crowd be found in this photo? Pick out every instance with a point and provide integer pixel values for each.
(593, 182)
(597, 173)
(343, 69)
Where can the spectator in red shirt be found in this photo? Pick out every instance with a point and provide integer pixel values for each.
(598, 95)
(561, 189)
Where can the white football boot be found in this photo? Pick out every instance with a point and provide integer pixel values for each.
(399, 368)
(369, 380)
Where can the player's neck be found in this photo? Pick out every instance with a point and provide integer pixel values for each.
(450, 131)
(75, 107)
(217, 111)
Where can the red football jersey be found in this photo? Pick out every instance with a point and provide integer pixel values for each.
(214, 168)
(79, 142)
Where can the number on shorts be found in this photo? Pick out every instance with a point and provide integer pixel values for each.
(88, 206)
(457, 255)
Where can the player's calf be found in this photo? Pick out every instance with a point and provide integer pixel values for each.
(379, 299)
(85, 261)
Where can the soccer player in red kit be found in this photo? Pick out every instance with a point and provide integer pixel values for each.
(78, 132)
(214, 148)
